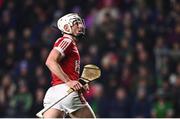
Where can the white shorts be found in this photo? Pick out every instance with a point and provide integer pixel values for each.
(71, 103)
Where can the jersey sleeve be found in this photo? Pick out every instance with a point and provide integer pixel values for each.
(63, 46)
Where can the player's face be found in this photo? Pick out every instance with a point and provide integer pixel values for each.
(77, 28)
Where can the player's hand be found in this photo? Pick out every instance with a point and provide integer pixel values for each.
(75, 85)
(86, 87)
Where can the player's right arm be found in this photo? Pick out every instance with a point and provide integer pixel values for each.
(52, 63)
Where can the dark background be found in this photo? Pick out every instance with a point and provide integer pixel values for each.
(135, 42)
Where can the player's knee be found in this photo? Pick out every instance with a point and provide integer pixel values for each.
(85, 112)
(53, 113)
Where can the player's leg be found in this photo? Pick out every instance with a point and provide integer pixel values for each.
(53, 113)
(84, 112)
(51, 96)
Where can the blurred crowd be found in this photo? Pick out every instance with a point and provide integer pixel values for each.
(135, 42)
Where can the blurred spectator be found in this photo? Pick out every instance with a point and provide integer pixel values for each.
(120, 105)
(7, 91)
(143, 80)
(177, 68)
(126, 77)
(39, 80)
(174, 35)
(141, 107)
(94, 51)
(38, 102)
(98, 100)
(125, 48)
(2, 103)
(21, 103)
(176, 96)
(162, 108)
(107, 13)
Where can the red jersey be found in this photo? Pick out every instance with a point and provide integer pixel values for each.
(70, 63)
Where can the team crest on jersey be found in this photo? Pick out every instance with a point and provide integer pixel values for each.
(77, 66)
